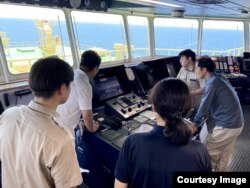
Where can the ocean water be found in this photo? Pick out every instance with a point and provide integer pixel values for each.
(23, 32)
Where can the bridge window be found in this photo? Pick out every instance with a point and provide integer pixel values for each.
(222, 38)
(139, 37)
(101, 32)
(29, 33)
(175, 35)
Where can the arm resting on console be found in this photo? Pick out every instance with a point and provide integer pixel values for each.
(89, 123)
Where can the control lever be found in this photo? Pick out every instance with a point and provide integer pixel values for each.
(199, 127)
(113, 121)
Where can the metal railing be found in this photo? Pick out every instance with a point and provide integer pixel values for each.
(22, 65)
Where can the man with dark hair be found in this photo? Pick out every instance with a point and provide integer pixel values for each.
(37, 150)
(221, 101)
(188, 75)
(80, 99)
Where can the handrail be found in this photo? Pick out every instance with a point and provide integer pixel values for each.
(118, 54)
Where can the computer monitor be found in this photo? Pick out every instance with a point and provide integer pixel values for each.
(173, 65)
(148, 73)
(108, 87)
(157, 68)
(246, 55)
(143, 81)
(246, 65)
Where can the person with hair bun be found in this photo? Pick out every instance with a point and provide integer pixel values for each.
(149, 159)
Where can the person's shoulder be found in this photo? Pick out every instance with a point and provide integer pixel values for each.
(15, 110)
(182, 69)
(59, 136)
(196, 145)
(138, 137)
(13, 114)
(132, 141)
(212, 80)
(132, 138)
(81, 83)
(78, 74)
(217, 80)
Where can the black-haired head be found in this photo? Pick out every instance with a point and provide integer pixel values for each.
(187, 53)
(48, 74)
(172, 101)
(89, 60)
(206, 62)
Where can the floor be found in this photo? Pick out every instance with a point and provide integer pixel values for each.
(240, 159)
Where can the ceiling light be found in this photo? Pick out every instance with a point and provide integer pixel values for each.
(160, 3)
(243, 11)
(178, 13)
(207, 1)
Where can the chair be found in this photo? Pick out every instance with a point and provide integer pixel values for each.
(1, 107)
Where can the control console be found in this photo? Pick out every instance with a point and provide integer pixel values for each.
(115, 130)
(126, 106)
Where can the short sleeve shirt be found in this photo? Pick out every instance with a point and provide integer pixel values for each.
(148, 160)
(190, 78)
(36, 150)
(80, 98)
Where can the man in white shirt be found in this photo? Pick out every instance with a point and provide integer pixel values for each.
(188, 75)
(36, 149)
(80, 99)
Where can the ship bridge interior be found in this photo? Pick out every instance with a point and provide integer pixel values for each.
(127, 72)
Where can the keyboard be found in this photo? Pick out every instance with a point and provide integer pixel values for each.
(110, 134)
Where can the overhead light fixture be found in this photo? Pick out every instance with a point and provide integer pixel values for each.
(243, 11)
(98, 5)
(160, 3)
(211, 2)
(178, 13)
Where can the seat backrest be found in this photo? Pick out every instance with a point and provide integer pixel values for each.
(1, 107)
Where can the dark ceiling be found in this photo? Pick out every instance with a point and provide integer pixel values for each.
(193, 8)
(202, 8)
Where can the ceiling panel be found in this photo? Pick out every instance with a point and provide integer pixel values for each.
(202, 8)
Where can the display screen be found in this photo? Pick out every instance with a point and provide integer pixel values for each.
(246, 64)
(148, 73)
(108, 87)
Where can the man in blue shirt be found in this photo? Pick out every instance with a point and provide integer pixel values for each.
(221, 101)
